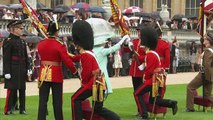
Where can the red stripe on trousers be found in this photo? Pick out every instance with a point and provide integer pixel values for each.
(7, 100)
(136, 96)
(77, 93)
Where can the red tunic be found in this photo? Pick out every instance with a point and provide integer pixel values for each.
(163, 50)
(53, 50)
(152, 62)
(134, 71)
(88, 65)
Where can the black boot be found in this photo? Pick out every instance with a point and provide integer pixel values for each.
(8, 112)
(174, 107)
(23, 112)
(16, 107)
(142, 117)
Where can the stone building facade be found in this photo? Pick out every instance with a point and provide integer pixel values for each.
(185, 7)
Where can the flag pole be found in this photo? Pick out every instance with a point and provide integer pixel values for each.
(203, 23)
(203, 31)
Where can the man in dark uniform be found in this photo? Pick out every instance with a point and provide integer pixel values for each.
(52, 52)
(15, 67)
(15, 98)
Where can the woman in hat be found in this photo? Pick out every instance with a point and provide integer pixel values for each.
(152, 67)
(102, 31)
(207, 65)
(193, 52)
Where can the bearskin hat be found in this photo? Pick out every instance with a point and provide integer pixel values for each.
(159, 31)
(139, 26)
(82, 34)
(52, 28)
(149, 37)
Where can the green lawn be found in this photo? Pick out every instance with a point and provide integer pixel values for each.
(121, 102)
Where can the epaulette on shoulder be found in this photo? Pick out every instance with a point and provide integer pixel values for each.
(135, 39)
(59, 41)
(210, 49)
(166, 41)
(141, 46)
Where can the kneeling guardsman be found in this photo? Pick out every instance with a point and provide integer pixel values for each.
(153, 76)
(84, 40)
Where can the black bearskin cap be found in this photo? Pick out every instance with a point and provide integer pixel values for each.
(52, 28)
(159, 32)
(149, 37)
(82, 34)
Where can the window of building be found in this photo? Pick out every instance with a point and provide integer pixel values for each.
(56, 2)
(192, 7)
(138, 3)
(86, 1)
(165, 2)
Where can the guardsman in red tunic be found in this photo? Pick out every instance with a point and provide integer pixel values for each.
(137, 60)
(152, 67)
(84, 40)
(163, 50)
(134, 71)
(52, 53)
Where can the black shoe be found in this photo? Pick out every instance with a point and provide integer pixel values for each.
(23, 112)
(16, 108)
(188, 110)
(145, 117)
(138, 114)
(142, 117)
(174, 107)
(8, 113)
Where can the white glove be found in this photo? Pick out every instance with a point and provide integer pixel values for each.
(29, 72)
(130, 45)
(7, 76)
(127, 40)
(124, 39)
(141, 67)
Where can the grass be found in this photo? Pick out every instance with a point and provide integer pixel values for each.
(121, 102)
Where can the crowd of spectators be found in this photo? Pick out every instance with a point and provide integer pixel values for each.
(190, 23)
(45, 16)
(184, 24)
(10, 14)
